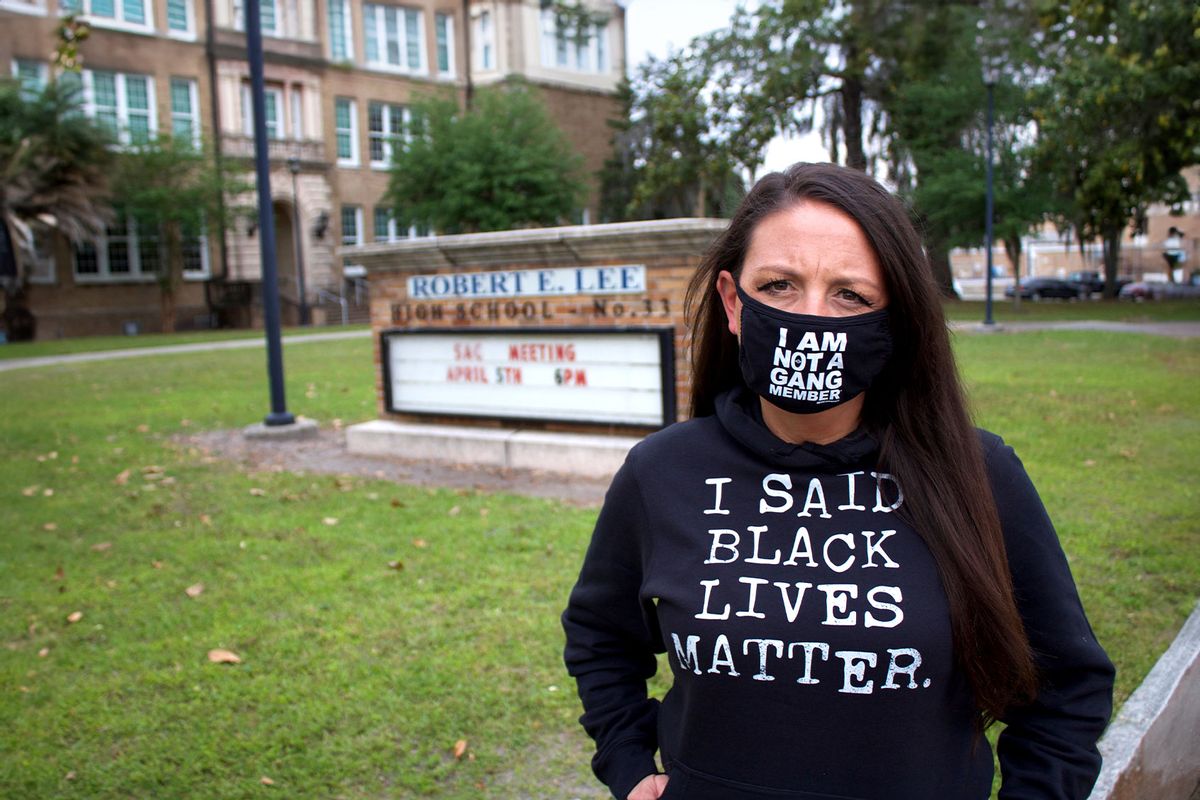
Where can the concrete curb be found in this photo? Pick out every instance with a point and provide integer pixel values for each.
(1152, 749)
(568, 453)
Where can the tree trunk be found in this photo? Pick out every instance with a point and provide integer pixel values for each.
(169, 282)
(1012, 248)
(1112, 252)
(852, 128)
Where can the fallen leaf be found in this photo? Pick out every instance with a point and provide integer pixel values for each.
(100, 547)
(59, 574)
(156, 564)
(48, 493)
(258, 492)
(45, 651)
(265, 781)
(396, 503)
(195, 590)
(70, 776)
(1091, 462)
(122, 477)
(396, 565)
(29, 491)
(50, 526)
(143, 428)
(219, 656)
(421, 543)
(330, 520)
(455, 511)
(74, 617)
(483, 512)
(460, 748)
(205, 519)
(185, 423)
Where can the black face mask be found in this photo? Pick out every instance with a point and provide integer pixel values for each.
(805, 364)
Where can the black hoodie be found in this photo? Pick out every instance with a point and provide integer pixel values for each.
(807, 629)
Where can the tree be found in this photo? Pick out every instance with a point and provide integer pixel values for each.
(1120, 118)
(54, 165)
(503, 164)
(676, 154)
(174, 191)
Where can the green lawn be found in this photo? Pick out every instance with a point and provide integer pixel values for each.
(1062, 310)
(87, 344)
(378, 625)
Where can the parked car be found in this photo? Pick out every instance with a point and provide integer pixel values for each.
(1039, 288)
(1090, 281)
(1158, 290)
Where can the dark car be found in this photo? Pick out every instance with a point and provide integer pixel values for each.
(1039, 288)
(1090, 281)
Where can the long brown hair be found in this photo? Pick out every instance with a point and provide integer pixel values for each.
(916, 408)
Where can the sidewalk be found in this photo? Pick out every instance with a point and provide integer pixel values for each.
(196, 347)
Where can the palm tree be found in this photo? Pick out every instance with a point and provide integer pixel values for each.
(54, 165)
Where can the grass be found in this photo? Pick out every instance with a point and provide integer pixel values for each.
(358, 678)
(1061, 310)
(87, 344)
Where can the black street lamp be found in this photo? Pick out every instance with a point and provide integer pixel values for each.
(266, 221)
(991, 76)
(298, 236)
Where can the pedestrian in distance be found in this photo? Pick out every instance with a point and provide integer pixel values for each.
(849, 580)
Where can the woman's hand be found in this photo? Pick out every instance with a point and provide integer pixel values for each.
(650, 787)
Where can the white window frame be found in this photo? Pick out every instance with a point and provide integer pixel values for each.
(387, 135)
(486, 37)
(118, 22)
(353, 159)
(448, 20)
(280, 115)
(566, 54)
(188, 34)
(36, 8)
(296, 97)
(378, 14)
(205, 270)
(239, 18)
(347, 31)
(193, 115)
(89, 103)
(393, 232)
(43, 70)
(105, 273)
(358, 225)
(44, 269)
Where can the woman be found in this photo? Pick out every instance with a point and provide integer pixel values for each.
(849, 580)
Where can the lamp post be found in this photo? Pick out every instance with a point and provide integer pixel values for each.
(298, 237)
(279, 415)
(991, 74)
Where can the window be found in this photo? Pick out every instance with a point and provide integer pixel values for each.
(121, 102)
(272, 106)
(345, 123)
(183, 110)
(566, 50)
(179, 18)
(42, 268)
(128, 14)
(394, 38)
(341, 43)
(388, 230)
(32, 75)
(388, 127)
(352, 225)
(268, 16)
(487, 44)
(37, 7)
(127, 250)
(443, 27)
(297, 113)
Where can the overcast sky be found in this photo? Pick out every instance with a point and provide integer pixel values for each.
(656, 26)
